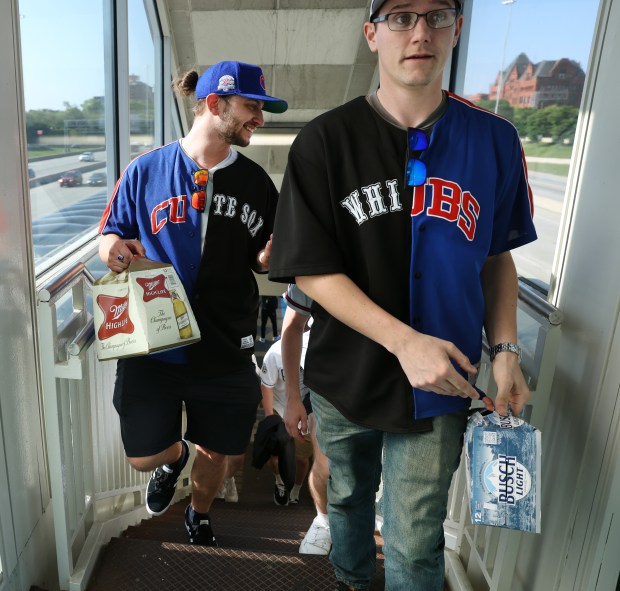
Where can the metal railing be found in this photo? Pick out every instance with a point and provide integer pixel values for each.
(482, 557)
(95, 493)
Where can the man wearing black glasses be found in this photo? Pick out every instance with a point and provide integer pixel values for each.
(397, 215)
(200, 205)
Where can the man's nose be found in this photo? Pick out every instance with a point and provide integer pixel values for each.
(421, 31)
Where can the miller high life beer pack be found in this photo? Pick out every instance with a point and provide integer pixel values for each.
(141, 310)
(503, 470)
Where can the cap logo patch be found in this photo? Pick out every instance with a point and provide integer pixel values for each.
(262, 82)
(226, 83)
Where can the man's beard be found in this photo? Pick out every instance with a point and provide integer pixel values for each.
(230, 133)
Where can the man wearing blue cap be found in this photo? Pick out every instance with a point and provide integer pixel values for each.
(208, 210)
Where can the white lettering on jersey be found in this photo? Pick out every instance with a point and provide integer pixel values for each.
(227, 206)
(354, 205)
(219, 201)
(256, 228)
(438, 198)
(395, 204)
(231, 210)
(374, 200)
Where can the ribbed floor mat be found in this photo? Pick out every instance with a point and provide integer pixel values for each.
(164, 566)
(259, 548)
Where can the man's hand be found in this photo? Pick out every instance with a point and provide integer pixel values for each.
(429, 364)
(117, 253)
(511, 386)
(263, 256)
(294, 413)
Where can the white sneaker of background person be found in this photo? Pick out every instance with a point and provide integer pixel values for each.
(230, 490)
(317, 540)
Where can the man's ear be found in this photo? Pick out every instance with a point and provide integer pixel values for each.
(457, 30)
(370, 30)
(213, 103)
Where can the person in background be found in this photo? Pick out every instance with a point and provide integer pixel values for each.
(298, 415)
(200, 205)
(269, 310)
(273, 380)
(397, 215)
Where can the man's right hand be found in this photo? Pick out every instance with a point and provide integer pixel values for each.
(429, 364)
(117, 253)
(294, 414)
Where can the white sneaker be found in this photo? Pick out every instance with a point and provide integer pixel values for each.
(230, 490)
(317, 540)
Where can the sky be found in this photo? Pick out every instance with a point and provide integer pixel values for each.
(63, 50)
(542, 29)
(62, 43)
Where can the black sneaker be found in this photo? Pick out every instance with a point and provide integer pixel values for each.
(280, 495)
(199, 533)
(162, 485)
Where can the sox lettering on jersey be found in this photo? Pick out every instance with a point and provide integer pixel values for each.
(174, 209)
(439, 198)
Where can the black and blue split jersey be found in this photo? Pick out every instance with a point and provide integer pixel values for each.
(416, 252)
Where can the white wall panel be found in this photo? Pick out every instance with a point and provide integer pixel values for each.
(581, 419)
(20, 421)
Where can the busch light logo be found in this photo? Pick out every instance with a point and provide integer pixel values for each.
(507, 479)
(154, 287)
(505, 422)
(226, 83)
(116, 316)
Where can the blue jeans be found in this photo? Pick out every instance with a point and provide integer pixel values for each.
(417, 472)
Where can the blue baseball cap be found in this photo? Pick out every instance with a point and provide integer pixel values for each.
(247, 80)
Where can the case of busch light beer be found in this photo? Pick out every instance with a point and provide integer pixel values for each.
(503, 468)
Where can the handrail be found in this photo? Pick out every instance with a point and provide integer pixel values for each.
(541, 306)
(59, 283)
(83, 339)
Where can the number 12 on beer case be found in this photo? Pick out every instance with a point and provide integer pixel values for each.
(142, 310)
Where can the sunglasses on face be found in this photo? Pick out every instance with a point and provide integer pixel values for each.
(199, 197)
(415, 174)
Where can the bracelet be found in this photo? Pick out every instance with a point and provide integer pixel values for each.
(502, 347)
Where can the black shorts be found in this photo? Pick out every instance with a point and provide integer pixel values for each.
(149, 396)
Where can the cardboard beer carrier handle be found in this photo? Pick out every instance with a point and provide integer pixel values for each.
(142, 310)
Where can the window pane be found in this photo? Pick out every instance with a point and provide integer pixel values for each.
(64, 91)
(542, 48)
(141, 80)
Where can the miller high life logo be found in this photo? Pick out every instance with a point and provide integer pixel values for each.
(116, 316)
(154, 287)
